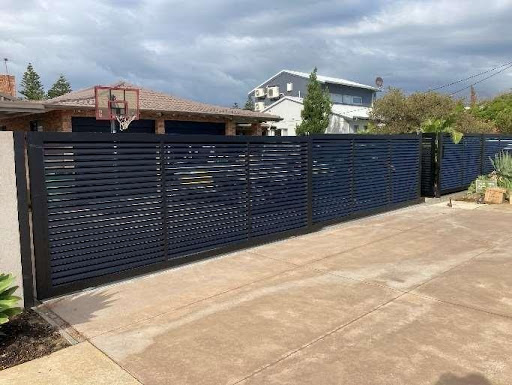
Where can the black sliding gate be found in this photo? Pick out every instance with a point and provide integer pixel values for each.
(448, 167)
(110, 206)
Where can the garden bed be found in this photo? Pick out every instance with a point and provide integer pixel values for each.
(26, 337)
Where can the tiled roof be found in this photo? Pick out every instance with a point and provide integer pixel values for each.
(157, 101)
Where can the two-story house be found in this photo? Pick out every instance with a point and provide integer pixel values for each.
(283, 95)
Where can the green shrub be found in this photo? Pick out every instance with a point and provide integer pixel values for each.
(8, 301)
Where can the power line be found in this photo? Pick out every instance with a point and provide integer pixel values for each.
(471, 77)
(507, 66)
(481, 80)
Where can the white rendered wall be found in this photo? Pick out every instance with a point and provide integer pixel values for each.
(10, 254)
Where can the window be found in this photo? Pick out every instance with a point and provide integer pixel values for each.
(357, 100)
(349, 99)
(356, 127)
(337, 98)
(3, 128)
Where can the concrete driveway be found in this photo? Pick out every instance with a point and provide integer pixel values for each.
(418, 296)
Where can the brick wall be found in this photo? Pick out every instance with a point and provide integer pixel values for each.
(61, 121)
(8, 85)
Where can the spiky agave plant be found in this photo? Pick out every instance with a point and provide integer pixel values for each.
(502, 164)
(8, 301)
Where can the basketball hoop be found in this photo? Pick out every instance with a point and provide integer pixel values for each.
(116, 103)
(124, 121)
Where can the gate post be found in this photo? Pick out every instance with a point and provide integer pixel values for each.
(38, 195)
(309, 141)
(23, 218)
(420, 161)
(482, 153)
(439, 152)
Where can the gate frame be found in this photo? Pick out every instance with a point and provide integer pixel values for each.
(35, 141)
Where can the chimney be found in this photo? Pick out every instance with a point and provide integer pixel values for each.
(8, 85)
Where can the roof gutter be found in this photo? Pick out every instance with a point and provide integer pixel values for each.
(258, 118)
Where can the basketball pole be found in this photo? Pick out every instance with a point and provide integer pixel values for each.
(113, 126)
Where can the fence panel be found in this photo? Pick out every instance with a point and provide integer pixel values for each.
(332, 179)
(206, 195)
(278, 187)
(103, 208)
(458, 165)
(405, 170)
(371, 176)
(109, 206)
(493, 145)
(472, 159)
(363, 173)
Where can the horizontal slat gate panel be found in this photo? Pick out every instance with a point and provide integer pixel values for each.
(461, 163)
(278, 187)
(350, 176)
(371, 173)
(105, 211)
(472, 166)
(332, 179)
(113, 203)
(206, 193)
(404, 170)
(492, 146)
(452, 164)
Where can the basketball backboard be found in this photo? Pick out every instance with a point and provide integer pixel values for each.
(116, 103)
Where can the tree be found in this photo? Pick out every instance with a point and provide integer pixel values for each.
(397, 113)
(31, 86)
(497, 111)
(317, 108)
(249, 104)
(60, 87)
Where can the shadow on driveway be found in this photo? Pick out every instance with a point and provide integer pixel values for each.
(470, 379)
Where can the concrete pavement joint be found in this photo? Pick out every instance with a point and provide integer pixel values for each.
(116, 363)
(323, 336)
(481, 310)
(402, 293)
(369, 283)
(191, 303)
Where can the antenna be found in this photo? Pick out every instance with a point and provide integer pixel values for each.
(5, 62)
(379, 82)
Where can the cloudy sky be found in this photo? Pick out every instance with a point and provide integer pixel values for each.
(217, 50)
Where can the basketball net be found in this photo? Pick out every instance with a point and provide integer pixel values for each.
(124, 121)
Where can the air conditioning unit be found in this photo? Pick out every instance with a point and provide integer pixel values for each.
(273, 92)
(259, 106)
(259, 92)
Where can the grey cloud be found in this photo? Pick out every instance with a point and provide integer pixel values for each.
(216, 51)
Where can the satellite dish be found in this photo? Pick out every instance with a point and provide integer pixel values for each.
(379, 82)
